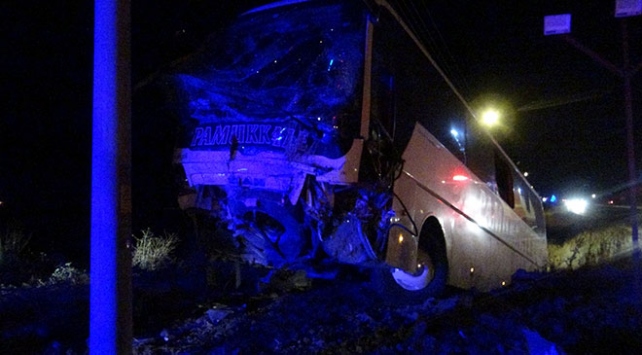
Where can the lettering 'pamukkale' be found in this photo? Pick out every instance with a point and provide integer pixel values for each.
(261, 134)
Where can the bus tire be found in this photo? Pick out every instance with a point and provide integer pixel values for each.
(397, 286)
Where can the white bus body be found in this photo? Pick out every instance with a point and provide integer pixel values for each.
(320, 130)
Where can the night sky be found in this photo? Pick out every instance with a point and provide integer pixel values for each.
(566, 128)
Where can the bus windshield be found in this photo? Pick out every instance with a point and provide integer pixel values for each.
(299, 63)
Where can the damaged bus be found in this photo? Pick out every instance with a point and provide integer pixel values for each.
(319, 132)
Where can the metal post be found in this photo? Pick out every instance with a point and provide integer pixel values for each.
(627, 74)
(110, 325)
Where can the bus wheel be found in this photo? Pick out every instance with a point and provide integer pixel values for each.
(398, 286)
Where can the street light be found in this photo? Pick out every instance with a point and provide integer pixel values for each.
(490, 117)
(494, 112)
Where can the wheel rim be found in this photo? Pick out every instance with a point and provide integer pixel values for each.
(412, 281)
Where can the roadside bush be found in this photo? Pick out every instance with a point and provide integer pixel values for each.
(13, 242)
(69, 274)
(590, 247)
(152, 252)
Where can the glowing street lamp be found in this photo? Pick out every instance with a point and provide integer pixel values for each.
(493, 111)
(490, 117)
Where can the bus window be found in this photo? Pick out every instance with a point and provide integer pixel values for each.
(479, 150)
(406, 89)
(382, 108)
(383, 158)
(504, 179)
(294, 73)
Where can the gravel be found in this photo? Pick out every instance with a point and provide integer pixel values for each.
(591, 310)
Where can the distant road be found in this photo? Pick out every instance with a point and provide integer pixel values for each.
(561, 224)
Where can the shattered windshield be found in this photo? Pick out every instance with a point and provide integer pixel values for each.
(301, 64)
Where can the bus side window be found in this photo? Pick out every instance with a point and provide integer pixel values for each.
(383, 100)
(504, 179)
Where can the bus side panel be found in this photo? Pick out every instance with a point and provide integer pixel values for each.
(486, 241)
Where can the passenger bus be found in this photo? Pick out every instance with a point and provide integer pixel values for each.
(320, 133)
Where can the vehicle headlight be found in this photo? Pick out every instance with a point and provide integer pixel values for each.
(576, 205)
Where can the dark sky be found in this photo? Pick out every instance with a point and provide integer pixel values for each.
(566, 130)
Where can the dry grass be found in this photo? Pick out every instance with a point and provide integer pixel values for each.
(590, 247)
(70, 274)
(152, 252)
(13, 242)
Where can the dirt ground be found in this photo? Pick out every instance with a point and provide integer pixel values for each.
(587, 311)
(583, 310)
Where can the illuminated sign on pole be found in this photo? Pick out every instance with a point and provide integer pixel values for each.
(557, 24)
(626, 8)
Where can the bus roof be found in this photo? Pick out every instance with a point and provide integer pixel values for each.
(274, 5)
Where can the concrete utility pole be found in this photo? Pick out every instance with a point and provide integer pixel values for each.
(626, 73)
(110, 324)
(561, 25)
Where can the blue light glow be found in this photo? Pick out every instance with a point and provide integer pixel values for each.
(276, 92)
(109, 326)
(330, 65)
(103, 223)
(456, 134)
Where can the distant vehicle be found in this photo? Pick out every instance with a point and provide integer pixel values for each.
(320, 131)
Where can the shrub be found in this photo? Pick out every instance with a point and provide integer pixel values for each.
(13, 241)
(70, 274)
(152, 252)
(590, 247)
